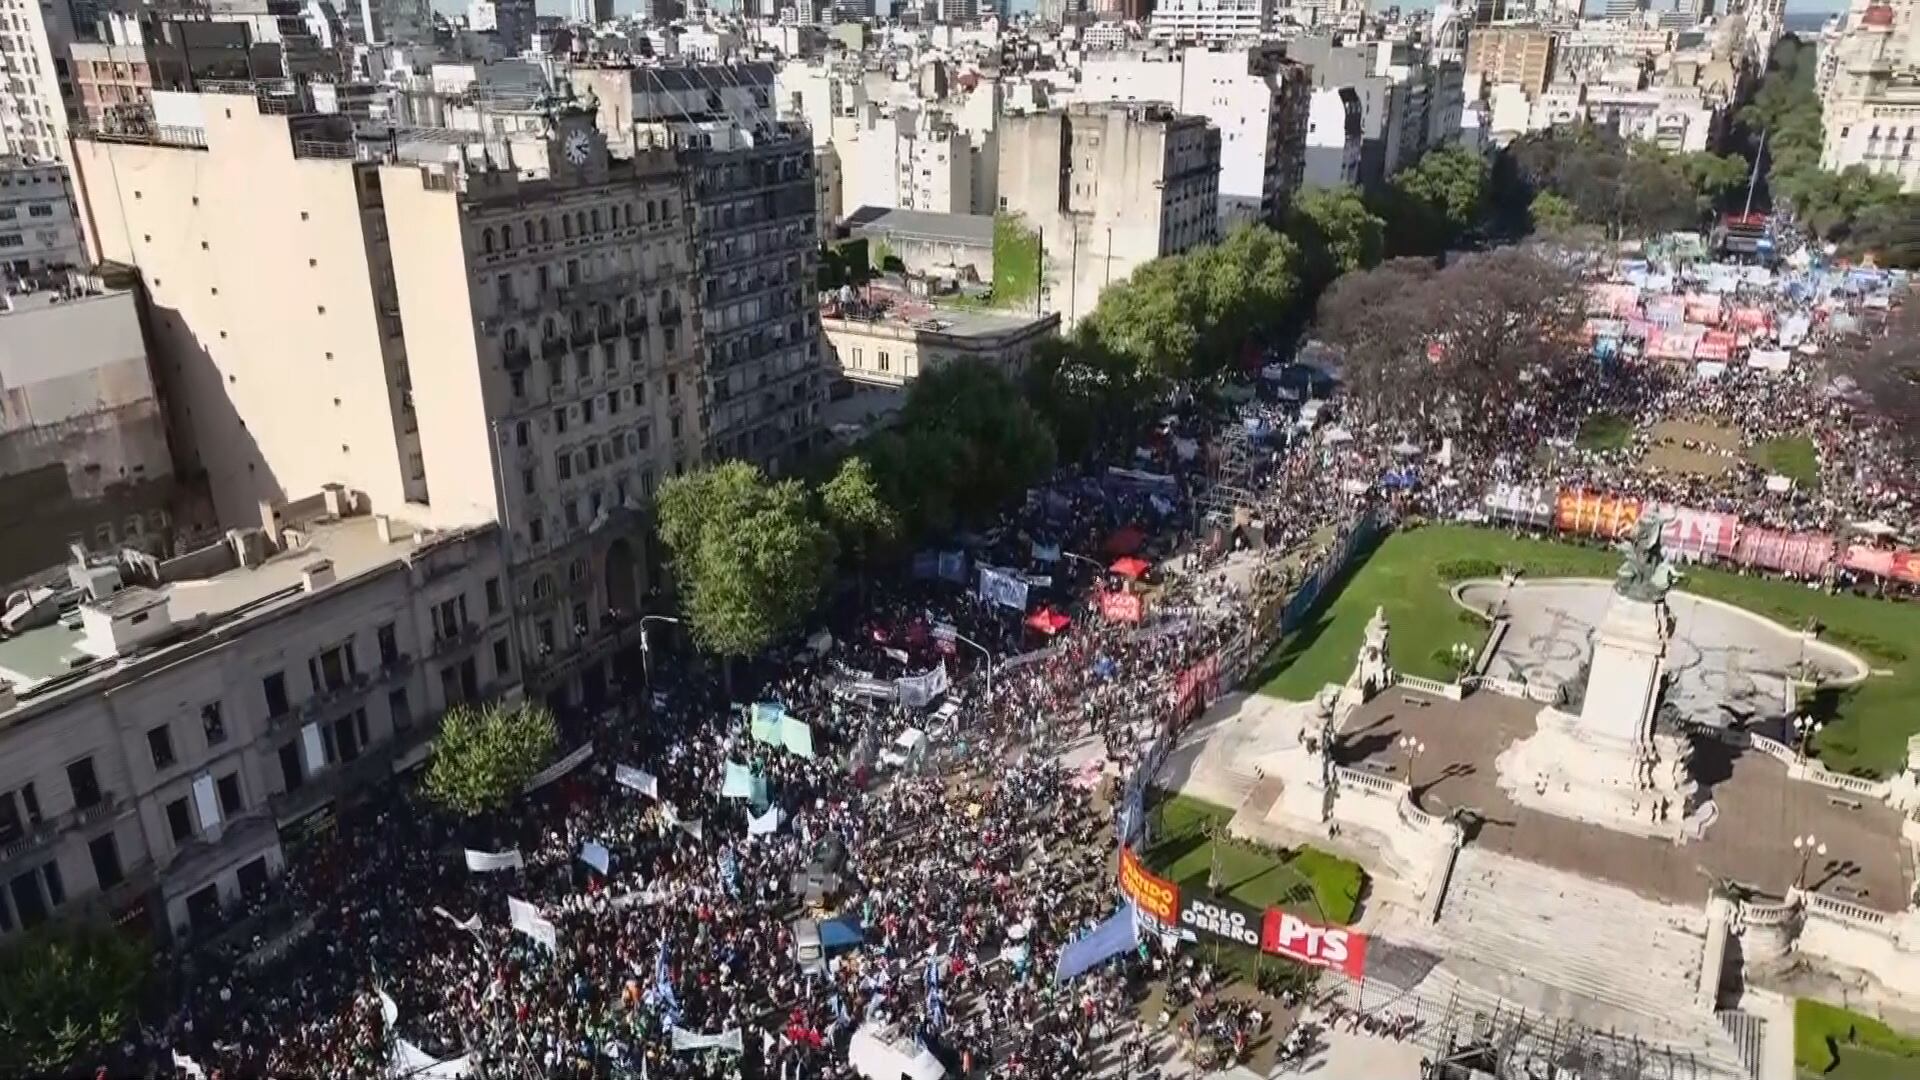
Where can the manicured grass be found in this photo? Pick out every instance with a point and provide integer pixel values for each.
(1604, 432)
(1410, 571)
(1791, 457)
(1835, 1042)
(1305, 881)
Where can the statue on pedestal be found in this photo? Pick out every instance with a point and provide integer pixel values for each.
(1645, 575)
(1374, 670)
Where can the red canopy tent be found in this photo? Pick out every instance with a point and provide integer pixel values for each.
(1131, 567)
(1048, 621)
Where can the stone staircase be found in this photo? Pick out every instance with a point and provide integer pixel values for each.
(1748, 1033)
(1521, 940)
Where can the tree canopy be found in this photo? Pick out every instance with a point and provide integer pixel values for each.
(1451, 352)
(855, 509)
(1337, 233)
(66, 990)
(1431, 205)
(749, 556)
(1623, 187)
(484, 756)
(1190, 315)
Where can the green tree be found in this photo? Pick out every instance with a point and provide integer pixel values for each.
(1431, 205)
(1551, 213)
(1713, 177)
(1889, 233)
(1017, 270)
(1003, 446)
(749, 556)
(1337, 233)
(483, 756)
(855, 509)
(1088, 396)
(1150, 319)
(66, 989)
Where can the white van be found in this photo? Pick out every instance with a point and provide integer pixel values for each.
(882, 1053)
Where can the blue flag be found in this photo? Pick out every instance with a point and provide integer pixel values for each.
(1109, 939)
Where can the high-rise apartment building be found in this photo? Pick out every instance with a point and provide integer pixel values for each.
(1254, 95)
(396, 22)
(35, 87)
(414, 320)
(1522, 55)
(510, 21)
(592, 12)
(1212, 21)
(38, 230)
(135, 53)
(1870, 103)
(1109, 186)
(755, 243)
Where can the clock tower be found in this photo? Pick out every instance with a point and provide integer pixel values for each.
(576, 150)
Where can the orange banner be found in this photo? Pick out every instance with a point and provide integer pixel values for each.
(1152, 894)
(1595, 514)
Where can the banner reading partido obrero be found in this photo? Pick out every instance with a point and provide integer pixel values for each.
(1273, 931)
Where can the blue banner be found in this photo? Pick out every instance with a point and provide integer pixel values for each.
(1108, 940)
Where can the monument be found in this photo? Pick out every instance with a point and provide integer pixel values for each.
(1374, 670)
(1597, 754)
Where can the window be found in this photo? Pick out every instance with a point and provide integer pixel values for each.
(527, 478)
(213, 724)
(106, 860)
(84, 784)
(180, 820)
(522, 433)
(27, 900)
(56, 888)
(399, 709)
(560, 421)
(502, 659)
(160, 745)
(536, 530)
(492, 589)
(231, 804)
(274, 689)
(388, 641)
(613, 403)
(563, 465)
(639, 395)
(673, 384)
(673, 423)
(586, 411)
(886, 362)
(291, 773)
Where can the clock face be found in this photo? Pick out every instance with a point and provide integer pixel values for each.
(577, 147)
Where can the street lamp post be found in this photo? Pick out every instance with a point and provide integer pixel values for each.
(1808, 846)
(958, 636)
(1804, 729)
(646, 667)
(1413, 748)
(1098, 567)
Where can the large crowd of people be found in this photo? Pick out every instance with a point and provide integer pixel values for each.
(962, 880)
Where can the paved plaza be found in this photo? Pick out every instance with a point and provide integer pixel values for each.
(1728, 666)
(1760, 809)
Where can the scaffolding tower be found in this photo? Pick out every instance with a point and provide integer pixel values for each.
(1230, 477)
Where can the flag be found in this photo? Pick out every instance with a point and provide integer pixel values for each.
(766, 824)
(595, 854)
(389, 1012)
(638, 779)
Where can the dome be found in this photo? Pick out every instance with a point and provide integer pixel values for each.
(1877, 15)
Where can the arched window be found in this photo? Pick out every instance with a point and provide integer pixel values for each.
(653, 211)
(529, 232)
(548, 329)
(506, 238)
(566, 226)
(606, 315)
(594, 218)
(511, 339)
(486, 240)
(580, 222)
(546, 233)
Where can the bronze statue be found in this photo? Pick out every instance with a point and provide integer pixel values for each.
(1646, 575)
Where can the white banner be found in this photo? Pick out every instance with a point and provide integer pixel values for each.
(412, 1062)
(558, 769)
(766, 824)
(689, 1040)
(638, 779)
(527, 919)
(1000, 587)
(471, 924)
(595, 854)
(487, 862)
(183, 1063)
(918, 691)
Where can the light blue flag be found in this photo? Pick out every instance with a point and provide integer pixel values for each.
(738, 782)
(595, 854)
(797, 737)
(766, 724)
(1109, 939)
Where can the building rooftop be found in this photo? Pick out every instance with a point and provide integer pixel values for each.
(972, 229)
(899, 311)
(221, 595)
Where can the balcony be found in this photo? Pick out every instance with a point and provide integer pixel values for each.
(671, 316)
(582, 337)
(608, 331)
(554, 348)
(636, 324)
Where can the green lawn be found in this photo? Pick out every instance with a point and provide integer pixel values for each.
(1604, 431)
(1834, 1042)
(1792, 457)
(1408, 574)
(1308, 882)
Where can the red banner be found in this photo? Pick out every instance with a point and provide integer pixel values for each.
(1194, 687)
(1121, 606)
(1333, 947)
(1881, 562)
(1803, 554)
(1595, 514)
(1698, 534)
(1154, 895)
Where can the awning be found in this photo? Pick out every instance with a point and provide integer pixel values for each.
(1131, 567)
(1048, 621)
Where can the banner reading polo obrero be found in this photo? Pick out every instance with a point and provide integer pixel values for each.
(1592, 513)
(1334, 947)
(1154, 896)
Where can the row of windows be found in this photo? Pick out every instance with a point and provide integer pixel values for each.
(579, 223)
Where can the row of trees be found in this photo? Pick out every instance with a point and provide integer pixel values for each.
(1589, 179)
(1863, 211)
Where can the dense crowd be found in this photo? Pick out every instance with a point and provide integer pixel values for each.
(962, 880)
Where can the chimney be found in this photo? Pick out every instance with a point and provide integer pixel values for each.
(7, 700)
(383, 528)
(317, 575)
(336, 499)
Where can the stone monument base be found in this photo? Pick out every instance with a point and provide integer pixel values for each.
(1643, 789)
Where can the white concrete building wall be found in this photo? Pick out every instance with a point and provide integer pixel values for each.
(1219, 21)
(37, 220)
